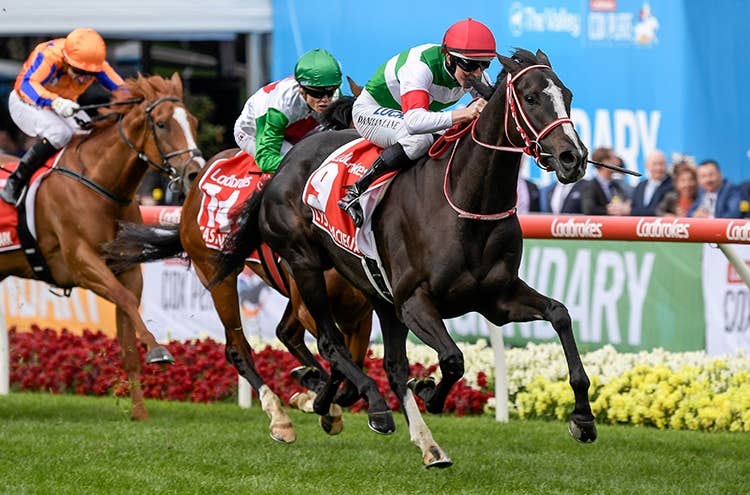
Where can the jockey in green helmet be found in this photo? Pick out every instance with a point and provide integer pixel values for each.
(283, 112)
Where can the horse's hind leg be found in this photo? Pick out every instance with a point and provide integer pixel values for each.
(397, 368)
(239, 353)
(526, 304)
(311, 283)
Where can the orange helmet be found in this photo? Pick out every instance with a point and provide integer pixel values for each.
(84, 49)
(469, 39)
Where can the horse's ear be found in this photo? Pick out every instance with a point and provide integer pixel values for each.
(510, 65)
(542, 57)
(484, 90)
(355, 88)
(177, 82)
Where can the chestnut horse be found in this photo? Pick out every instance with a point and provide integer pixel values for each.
(142, 243)
(79, 204)
(448, 239)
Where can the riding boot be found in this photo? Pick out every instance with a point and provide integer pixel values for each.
(392, 158)
(29, 163)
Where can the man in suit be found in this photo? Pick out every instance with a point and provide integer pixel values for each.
(717, 198)
(527, 194)
(650, 192)
(604, 195)
(562, 199)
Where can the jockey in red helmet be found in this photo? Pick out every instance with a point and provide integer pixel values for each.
(43, 100)
(416, 85)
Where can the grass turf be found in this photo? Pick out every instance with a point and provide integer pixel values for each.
(71, 444)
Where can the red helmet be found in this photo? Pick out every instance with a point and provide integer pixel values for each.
(84, 49)
(469, 39)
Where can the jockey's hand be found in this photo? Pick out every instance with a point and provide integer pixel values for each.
(461, 115)
(64, 108)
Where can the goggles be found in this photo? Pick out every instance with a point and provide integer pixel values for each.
(82, 73)
(319, 93)
(467, 65)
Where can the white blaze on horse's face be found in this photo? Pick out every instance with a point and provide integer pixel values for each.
(180, 116)
(558, 103)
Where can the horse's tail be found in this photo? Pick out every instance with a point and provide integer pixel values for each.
(241, 242)
(137, 243)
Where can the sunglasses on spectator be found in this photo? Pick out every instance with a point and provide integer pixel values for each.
(81, 73)
(319, 93)
(471, 65)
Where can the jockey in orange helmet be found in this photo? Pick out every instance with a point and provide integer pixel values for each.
(401, 104)
(43, 100)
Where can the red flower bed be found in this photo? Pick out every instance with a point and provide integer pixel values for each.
(90, 364)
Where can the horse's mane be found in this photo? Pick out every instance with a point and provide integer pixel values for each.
(147, 88)
(521, 56)
(338, 115)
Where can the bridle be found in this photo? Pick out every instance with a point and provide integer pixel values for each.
(175, 178)
(532, 147)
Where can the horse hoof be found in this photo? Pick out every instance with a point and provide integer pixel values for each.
(422, 387)
(307, 376)
(333, 423)
(139, 413)
(283, 433)
(582, 431)
(302, 401)
(381, 422)
(159, 355)
(436, 458)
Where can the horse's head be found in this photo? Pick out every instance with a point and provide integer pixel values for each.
(161, 129)
(538, 103)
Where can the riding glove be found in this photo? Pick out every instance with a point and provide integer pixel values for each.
(64, 108)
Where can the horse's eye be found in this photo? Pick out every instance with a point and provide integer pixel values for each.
(160, 124)
(530, 99)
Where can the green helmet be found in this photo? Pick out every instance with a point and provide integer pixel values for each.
(317, 68)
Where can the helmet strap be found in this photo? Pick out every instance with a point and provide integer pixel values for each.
(450, 67)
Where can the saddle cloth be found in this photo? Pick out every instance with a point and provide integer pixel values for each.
(227, 185)
(9, 239)
(326, 186)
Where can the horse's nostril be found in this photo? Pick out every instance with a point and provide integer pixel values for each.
(568, 158)
(191, 176)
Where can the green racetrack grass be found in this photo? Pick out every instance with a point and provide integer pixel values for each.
(71, 444)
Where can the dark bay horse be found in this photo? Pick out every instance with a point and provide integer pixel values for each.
(448, 238)
(137, 243)
(78, 205)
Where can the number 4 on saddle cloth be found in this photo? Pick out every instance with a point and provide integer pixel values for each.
(327, 185)
(226, 186)
(17, 227)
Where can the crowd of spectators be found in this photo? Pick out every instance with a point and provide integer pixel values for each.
(683, 189)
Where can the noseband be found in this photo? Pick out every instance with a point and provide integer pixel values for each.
(175, 179)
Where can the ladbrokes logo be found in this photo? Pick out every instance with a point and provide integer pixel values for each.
(662, 229)
(738, 231)
(573, 228)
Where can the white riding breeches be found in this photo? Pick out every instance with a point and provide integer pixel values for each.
(246, 142)
(43, 122)
(385, 126)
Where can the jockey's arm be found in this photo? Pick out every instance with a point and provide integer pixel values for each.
(108, 78)
(414, 79)
(269, 138)
(32, 79)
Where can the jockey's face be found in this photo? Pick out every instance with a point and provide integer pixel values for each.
(468, 69)
(317, 99)
(79, 76)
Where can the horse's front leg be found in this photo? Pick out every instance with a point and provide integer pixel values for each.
(396, 366)
(420, 315)
(526, 304)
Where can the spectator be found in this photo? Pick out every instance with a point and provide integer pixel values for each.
(677, 202)
(650, 192)
(604, 195)
(527, 194)
(563, 198)
(717, 198)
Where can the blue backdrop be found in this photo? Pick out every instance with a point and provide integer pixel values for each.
(663, 74)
